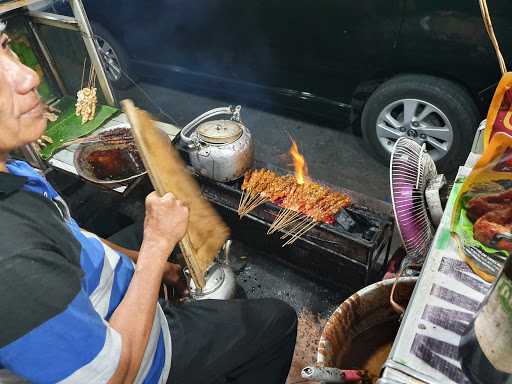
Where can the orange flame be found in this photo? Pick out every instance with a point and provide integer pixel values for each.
(301, 168)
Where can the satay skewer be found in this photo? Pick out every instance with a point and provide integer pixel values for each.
(242, 197)
(244, 204)
(246, 200)
(249, 194)
(290, 223)
(303, 221)
(241, 205)
(303, 231)
(288, 220)
(258, 182)
(245, 190)
(283, 220)
(283, 215)
(255, 203)
(303, 206)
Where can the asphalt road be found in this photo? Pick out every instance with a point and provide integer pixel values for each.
(332, 153)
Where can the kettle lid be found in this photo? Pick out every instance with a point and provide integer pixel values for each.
(219, 131)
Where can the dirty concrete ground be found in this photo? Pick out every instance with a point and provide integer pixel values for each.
(259, 275)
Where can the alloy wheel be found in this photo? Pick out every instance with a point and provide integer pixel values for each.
(110, 60)
(419, 120)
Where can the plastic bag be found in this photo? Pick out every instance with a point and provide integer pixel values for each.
(499, 116)
(482, 218)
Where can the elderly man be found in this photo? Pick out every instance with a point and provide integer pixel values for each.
(77, 309)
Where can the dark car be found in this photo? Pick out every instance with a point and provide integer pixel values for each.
(425, 69)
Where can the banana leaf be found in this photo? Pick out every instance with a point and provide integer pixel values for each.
(69, 126)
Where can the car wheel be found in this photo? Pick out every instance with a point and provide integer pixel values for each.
(115, 61)
(429, 110)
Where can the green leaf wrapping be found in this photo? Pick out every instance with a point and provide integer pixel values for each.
(69, 126)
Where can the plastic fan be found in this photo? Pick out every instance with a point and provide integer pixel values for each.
(413, 173)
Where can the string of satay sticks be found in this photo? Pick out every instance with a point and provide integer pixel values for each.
(86, 97)
(303, 205)
(85, 105)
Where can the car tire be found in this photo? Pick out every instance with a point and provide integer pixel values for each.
(115, 61)
(447, 126)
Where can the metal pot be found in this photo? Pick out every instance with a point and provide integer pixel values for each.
(220, 280)
(219, 149)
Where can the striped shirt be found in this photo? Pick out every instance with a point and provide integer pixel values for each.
(59, 286)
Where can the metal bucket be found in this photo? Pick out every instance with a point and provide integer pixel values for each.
(361, 312)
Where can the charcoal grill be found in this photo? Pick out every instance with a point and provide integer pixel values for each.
(347, 258)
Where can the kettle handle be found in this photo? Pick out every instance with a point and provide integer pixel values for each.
(231, 110)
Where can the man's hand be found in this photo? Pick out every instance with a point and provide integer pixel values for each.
(173, 278)
(165, 223)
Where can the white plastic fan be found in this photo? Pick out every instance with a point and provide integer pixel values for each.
(415, 187)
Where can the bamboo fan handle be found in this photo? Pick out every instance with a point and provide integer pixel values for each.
(185, 244)
(490, 31)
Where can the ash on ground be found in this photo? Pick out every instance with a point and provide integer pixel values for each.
(309, 330)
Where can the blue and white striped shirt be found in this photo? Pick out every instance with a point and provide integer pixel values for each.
(72, 341)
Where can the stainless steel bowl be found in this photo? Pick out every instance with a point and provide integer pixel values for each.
(84, 168)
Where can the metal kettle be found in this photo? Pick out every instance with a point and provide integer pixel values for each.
(221, 150)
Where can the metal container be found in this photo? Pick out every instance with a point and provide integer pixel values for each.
(220, 280)
(220, 284)
(85, 170)
(221, 150)
(364, 310)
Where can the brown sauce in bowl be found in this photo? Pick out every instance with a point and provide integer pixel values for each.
(115, 163)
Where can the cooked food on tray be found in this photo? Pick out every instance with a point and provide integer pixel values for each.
(311, 199)
(115, 136)
(304, 204)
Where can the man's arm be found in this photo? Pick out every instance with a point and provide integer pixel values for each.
(165, 224)
(172, 277)
(132, 254)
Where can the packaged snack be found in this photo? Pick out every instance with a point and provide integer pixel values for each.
(499, 116)
(482, 216)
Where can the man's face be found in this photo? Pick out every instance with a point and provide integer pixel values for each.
(21, 111)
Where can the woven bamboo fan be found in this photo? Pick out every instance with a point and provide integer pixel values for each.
(206, 232)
